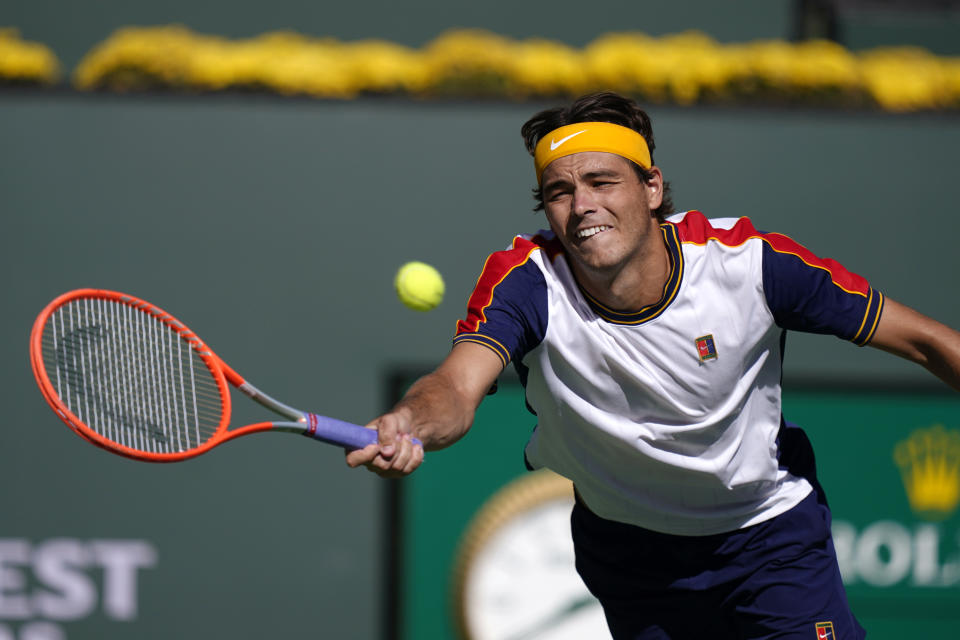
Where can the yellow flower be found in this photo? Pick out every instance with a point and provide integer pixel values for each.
(543, 67)
(23, 61)
(384, 66)
(625, 62)
(468, 61)
(906, 78)
(816, 65)
(683, 68)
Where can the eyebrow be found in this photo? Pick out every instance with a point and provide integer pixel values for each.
(602, 173)
(590, 175)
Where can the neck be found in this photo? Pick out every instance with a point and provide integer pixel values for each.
(633, 286)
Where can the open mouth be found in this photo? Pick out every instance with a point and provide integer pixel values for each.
(589, 232)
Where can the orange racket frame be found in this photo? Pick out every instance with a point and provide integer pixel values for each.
(318, 427)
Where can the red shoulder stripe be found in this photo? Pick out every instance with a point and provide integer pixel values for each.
(846, 280)
(695, 228)
(497, 267)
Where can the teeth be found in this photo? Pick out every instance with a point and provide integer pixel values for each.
(592, 231)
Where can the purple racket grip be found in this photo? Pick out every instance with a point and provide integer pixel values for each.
(345, 434)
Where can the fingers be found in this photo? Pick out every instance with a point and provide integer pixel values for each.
(357, 457)
(389, 430)
(407, 457)
(394, 455)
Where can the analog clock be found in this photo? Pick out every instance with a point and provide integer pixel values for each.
(514, 576)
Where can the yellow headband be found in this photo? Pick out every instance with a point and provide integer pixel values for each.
(591, 136)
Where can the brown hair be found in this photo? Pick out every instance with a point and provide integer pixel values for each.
(597, 107)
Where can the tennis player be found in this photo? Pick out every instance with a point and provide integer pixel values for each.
(649, 344)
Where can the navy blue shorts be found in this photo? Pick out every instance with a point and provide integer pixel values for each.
(777, 579)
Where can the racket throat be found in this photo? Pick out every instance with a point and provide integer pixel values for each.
(271, 403)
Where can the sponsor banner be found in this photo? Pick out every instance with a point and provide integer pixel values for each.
(890, 465)
(46, 583)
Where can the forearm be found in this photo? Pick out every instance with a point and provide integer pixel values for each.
(940, 355)
(438, 412)
(916, 337)
(947, 369)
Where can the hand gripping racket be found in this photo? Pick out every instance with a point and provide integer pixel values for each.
(131, 378)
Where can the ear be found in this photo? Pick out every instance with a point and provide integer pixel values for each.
(655, 188)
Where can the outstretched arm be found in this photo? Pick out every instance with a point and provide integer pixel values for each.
(914, 336)
(438, 410)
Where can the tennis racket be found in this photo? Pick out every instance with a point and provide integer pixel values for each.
(129, 377)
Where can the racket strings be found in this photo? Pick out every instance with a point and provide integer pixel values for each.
(130, 377)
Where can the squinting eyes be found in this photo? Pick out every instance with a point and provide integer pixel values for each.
(595, 185)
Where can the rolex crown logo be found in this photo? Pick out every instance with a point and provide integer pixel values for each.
(929, 462)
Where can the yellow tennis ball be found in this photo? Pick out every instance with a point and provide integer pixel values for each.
(419, 286)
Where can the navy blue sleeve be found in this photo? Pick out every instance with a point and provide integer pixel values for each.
(507, 311)
(812, 294)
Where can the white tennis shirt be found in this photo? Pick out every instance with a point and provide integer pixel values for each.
(667, 418)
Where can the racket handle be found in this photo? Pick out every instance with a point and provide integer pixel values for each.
(345, 434)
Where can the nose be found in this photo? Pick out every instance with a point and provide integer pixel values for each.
(583, 202)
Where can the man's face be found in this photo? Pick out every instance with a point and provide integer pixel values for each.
(601, 211)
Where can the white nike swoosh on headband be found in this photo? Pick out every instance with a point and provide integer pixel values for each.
(554, 145)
